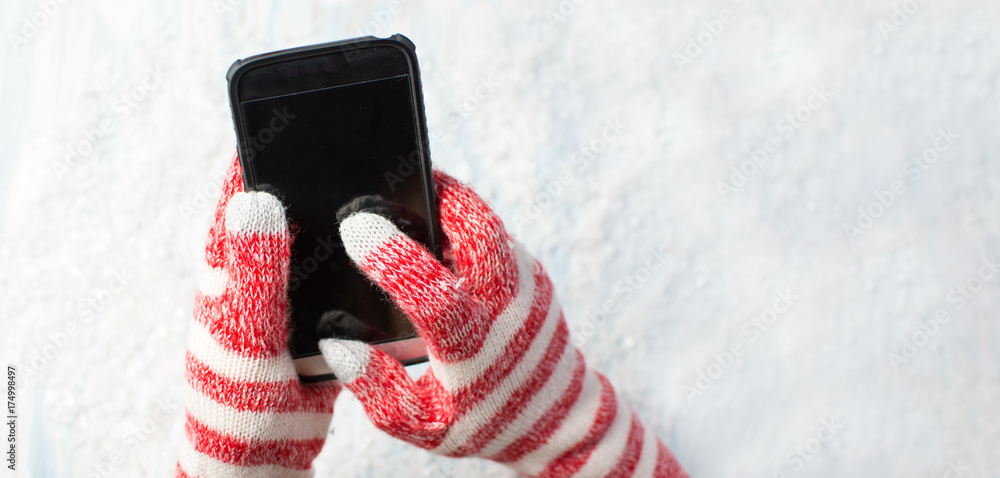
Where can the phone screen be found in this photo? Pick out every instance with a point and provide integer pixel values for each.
(318, 150)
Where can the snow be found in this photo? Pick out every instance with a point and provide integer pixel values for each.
(878, 87)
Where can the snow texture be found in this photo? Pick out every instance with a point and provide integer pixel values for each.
(99, 256)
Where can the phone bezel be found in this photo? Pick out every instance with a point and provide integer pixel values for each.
(408, 350)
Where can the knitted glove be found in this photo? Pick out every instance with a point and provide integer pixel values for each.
(247, 413)
(503, 382)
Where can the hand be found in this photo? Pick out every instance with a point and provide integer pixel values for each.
(248, 415)
(503, 382)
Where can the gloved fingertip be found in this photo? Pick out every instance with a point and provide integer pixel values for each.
(364, 232)
(255, 212)
(347, 358)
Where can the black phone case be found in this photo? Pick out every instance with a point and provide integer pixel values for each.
(240, 67)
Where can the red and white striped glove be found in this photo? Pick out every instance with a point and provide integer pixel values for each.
(504, 383)
(248, 415)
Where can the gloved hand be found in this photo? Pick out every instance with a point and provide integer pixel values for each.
(248, 415)
(504, 383)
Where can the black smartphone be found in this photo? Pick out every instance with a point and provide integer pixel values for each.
(328, 128)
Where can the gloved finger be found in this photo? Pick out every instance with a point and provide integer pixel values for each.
(484, 253)
(246, 407)
(408, 410)
(411, 223)
(254, 319)
(452, 322)
(215, 252)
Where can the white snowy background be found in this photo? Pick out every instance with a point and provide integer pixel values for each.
(816, 394)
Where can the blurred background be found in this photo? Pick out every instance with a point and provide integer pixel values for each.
(772, 224)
